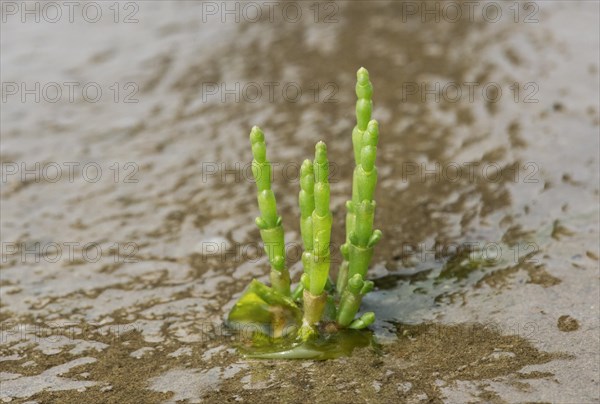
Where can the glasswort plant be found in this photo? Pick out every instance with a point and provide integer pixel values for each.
(277, 311)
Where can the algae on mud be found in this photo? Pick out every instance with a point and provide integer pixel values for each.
(330, 343)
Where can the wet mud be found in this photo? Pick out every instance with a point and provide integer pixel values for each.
(486, 278)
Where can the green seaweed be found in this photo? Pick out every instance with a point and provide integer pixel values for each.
(325, 346)
(264, 309)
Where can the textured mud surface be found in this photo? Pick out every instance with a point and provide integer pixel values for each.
(487, 275)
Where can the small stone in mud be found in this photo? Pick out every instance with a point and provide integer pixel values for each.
(567, 323)
(499, 355)
(591, 255)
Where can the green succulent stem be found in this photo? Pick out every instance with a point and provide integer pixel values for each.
(306, 200)
(360, 237)
(342, 277)
(364, 106)
(297, 292)
(269, 222)
(356, 288)
(314, 306)
(322, 221)
(317, 259)
(363, 322)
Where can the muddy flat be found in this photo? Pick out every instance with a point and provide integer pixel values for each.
(128, 204)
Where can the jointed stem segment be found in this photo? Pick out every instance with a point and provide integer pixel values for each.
(316, 261)
(363, 184)
(360, 236)
(321, 221)
(306, 199)
(351, 299)
(269, 223)
(364, 106)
